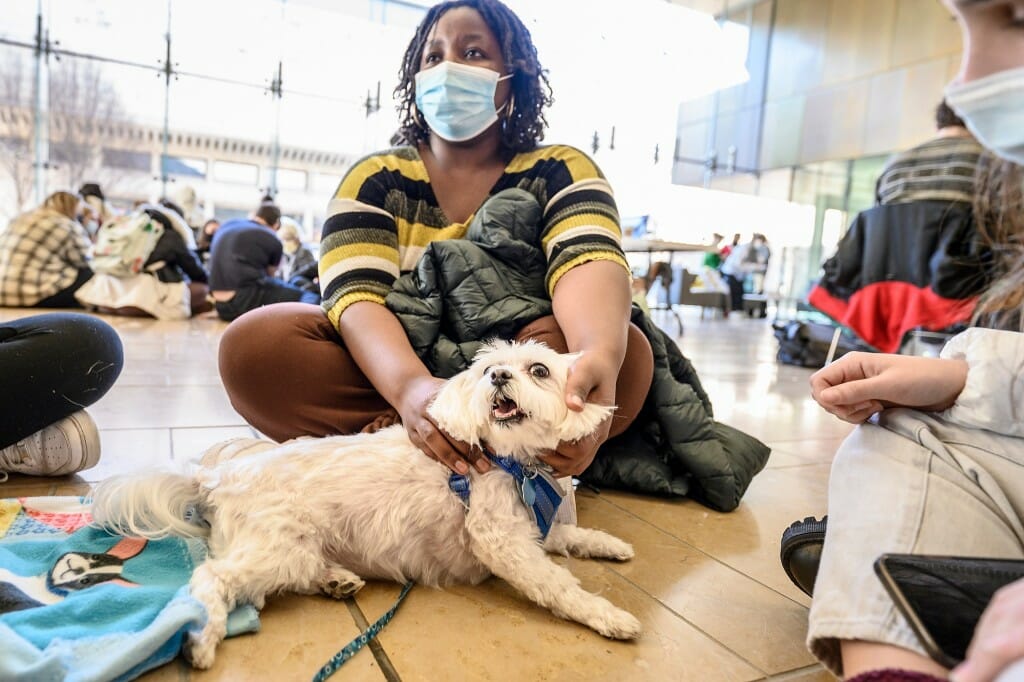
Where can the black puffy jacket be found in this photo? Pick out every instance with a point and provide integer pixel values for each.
(491, 284)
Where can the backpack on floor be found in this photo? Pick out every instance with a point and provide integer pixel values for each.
(806, 344)
(123, 245)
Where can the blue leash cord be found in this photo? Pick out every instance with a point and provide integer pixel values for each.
(362, 640)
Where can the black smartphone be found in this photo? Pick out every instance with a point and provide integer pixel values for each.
(943, 597)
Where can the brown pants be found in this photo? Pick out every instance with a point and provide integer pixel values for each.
(288, 374)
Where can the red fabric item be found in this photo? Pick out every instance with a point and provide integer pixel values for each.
(881, 313)
(894, 675)
(66, 522)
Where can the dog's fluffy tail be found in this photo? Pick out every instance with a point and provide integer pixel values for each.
(150, 506)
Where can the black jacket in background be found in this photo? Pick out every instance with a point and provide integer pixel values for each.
(177, 258)
(901, 267)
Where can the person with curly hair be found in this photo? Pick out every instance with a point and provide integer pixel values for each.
(471, 97)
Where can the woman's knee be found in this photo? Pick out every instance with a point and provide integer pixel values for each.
(266, 341)
(544, 330)
(635, 379)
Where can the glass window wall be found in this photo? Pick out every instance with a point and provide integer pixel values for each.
(152, 98)
(230, 100)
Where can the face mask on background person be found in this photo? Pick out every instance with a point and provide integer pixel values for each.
(993, 109)
(457, 100)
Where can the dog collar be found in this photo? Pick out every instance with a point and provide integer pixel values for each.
(538, 490)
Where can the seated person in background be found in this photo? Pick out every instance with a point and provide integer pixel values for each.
(938, 467)
(43, 256)
(54, 365)
(140, 277)
(186, 204)
(941, 169)
(93, 197)
(205, 238)
(297, 261)
(244, 257)
(176, 251)
(913, 261)
(713, 258)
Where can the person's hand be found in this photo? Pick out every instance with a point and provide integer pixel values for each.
(429, 437)
(998, 639)
(592, 379)
(860, 384)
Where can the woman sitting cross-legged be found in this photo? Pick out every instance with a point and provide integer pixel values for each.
(391, 205)
(44, 256)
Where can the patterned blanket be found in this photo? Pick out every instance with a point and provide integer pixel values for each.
(79, 604)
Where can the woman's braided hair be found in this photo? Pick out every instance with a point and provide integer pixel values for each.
(531, 92)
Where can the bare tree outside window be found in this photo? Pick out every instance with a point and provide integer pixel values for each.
(15, 133)
(84, 109)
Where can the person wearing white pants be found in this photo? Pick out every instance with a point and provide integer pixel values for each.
(915, 482)
(943, 477)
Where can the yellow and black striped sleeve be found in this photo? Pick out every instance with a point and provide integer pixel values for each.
(581, 221)
(359, 247)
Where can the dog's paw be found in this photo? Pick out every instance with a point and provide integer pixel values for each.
(199, 650)
(341, 584)
(620, 550)
(615, 623)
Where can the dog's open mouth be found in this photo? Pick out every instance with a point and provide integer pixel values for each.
(504, 410)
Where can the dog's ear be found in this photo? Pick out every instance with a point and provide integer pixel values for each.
(453, 411)
(579, 425)
(570, 358)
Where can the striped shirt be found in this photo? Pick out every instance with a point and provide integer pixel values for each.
(41, 253)
(941, 169)
(384, 215)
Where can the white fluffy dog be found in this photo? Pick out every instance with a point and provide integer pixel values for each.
(320, 515)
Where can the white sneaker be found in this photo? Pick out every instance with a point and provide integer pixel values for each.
(67, 446)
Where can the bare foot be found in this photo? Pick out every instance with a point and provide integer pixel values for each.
(389, 418)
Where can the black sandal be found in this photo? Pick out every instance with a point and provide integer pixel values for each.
(800, 551)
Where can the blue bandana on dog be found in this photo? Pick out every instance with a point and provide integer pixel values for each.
(538, 490)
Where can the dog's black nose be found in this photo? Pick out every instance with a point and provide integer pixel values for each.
(500, 377)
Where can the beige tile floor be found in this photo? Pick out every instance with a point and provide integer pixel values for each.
(707, 586)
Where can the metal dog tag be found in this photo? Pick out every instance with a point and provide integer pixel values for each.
(528, 492)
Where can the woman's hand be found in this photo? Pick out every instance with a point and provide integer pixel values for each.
(428, 436)
(999, 638)
(860, 384)
(592, 379)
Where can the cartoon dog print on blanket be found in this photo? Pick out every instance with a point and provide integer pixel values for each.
(71, 572)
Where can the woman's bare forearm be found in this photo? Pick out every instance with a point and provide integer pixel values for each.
(591, 303)
(378, 344)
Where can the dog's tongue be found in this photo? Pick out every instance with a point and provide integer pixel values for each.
(506, 408)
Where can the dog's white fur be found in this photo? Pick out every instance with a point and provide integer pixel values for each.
(320, 515)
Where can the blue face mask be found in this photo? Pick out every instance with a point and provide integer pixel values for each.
(993, 109)
(457, 100)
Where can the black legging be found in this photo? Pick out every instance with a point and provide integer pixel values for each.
(66, 297)
(51, 366)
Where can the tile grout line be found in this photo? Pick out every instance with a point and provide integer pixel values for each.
(705, 553)
(387, 668)
(610, 568)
